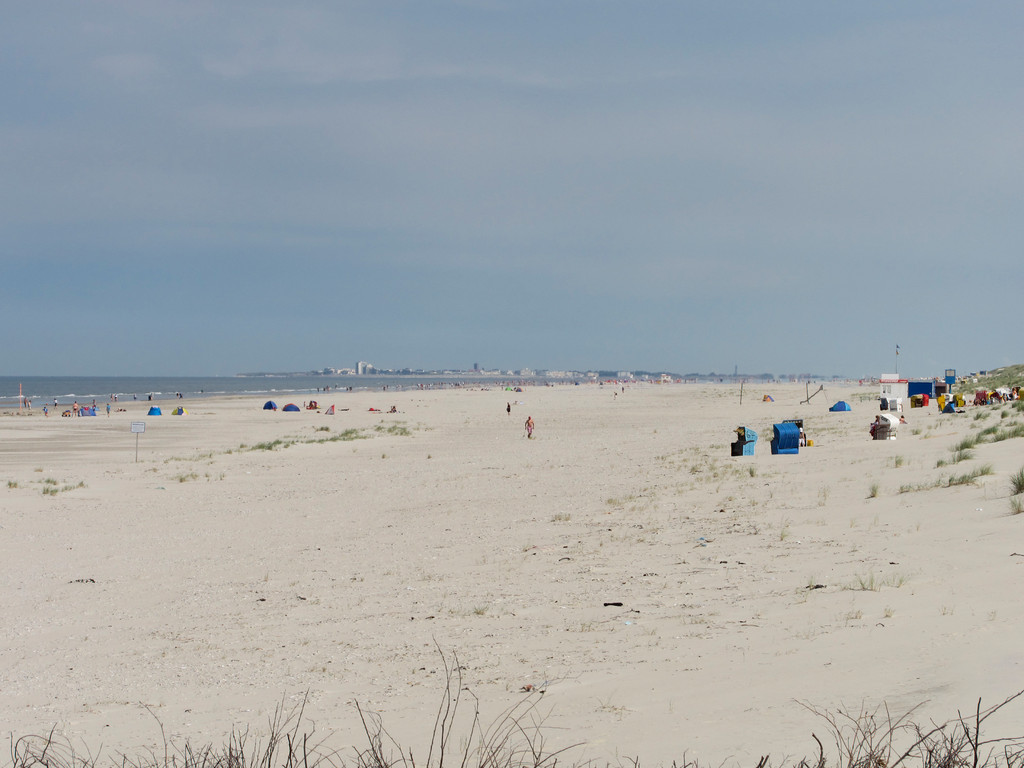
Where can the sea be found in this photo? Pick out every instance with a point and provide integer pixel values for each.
(65, 390)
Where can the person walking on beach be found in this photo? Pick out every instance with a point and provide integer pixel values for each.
(508, 408)
(529, 427)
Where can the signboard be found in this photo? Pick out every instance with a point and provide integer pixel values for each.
(950, 377)
(137, 428)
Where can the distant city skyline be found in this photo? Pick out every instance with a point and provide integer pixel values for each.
(363, 368)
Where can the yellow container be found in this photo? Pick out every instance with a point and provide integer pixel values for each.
(941, 400)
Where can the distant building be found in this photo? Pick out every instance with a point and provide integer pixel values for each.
(891, 385)
(364, 368)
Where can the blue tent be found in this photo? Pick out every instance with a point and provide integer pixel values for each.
(842, 405)
(291, 407)
(949, 408)
(87, 411)
(786, 439)
(154, 410)
(270, 405)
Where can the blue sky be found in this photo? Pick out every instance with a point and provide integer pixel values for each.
(206, 188)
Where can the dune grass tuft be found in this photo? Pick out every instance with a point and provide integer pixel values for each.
(516, 739)
(968, 478)
(1017, 482)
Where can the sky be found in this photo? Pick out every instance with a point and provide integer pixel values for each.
(195, 188)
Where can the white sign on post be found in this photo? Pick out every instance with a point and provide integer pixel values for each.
(137, 428)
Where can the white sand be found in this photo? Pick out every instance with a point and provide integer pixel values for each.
(228, 581)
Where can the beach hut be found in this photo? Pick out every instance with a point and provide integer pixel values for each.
(921, 387)
(154, 410)
(291, 407)
(892, 386)
(767, 399)
(786, 438)
(270, 405)
(179, 411)
(745, 440)
(842, 405)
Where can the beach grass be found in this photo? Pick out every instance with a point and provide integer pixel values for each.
(51, 487)
(958, 456)
(518, 738)
(394, 429)
(1017, 482)
(968, 478)
(874, 583)
(1007, 376)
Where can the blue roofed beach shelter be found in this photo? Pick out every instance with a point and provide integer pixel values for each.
(154, 410)
(291, 407)
(786, 439)
(842, 405)
(270, 405)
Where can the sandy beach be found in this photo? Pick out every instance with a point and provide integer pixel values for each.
(655, 597)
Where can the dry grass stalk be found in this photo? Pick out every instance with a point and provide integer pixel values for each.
(513, 740)
(866, 739)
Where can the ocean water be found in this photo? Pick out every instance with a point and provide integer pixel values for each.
(43, 390)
